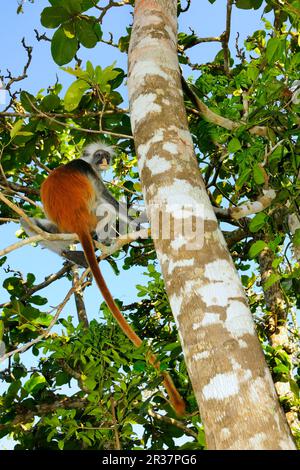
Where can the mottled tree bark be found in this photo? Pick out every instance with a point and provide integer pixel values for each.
(231, 381)
(278, 330)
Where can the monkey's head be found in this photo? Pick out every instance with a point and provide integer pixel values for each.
(99, 155)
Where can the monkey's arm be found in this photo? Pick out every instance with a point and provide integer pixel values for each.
(59, 247)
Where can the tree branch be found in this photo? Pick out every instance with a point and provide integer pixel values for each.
(73, 373)
(173, 422)
(115, 424)
(24, 415)
(226, 37)
(25, 69)
(78, 294)
(218, 120)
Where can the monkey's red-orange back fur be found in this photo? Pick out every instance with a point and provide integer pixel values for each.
(67, 197)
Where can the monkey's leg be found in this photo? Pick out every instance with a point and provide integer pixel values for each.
(106, 225)
(62, 248)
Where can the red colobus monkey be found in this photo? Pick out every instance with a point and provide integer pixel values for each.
(71, 196)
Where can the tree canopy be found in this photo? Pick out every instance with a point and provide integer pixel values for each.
(69, 386)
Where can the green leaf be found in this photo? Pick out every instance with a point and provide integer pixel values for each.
(62, 378)
(248, 4)
(272, 279)
(52, 17)
(63, 49)
(256, 248)
(26, 100)
(244, 4)
(77, 72)
(16, 128)
(274, 51)
(1, 330)
(281, 369)
(139, 366)
(72, 6)
(85, 33)
(252, 72)
(30, 279)
(258, 222)
(90, 383)
(37, 300)
(50, 103)
(234, 145)
(75, 93)
(296, 237)
(35, 383)
(87, 4)
(61, 445)
(242, 178)
(69, 29)
(105, 75)
(259, 174)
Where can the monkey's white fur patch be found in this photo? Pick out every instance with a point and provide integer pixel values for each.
(90, 149)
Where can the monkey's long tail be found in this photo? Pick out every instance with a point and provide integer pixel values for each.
(87, 243)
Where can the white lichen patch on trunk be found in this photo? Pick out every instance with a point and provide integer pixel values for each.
(176, 302)
(210, 319)
(200, 355)
(142, 106)
(148, 68)
(257, 442)
(180, 194)
(178, 242)
(171, 148)
(218, 293)
(179, 264)
(158, 165)
(221, 386)
(144, 149)
(239, 321)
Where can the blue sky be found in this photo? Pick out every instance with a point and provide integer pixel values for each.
(205, 19)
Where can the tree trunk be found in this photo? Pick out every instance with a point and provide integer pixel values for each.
(231, 381)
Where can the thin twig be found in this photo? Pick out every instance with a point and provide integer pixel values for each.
(77, 128)
(226, 37)
(116, 424)
(173, 422)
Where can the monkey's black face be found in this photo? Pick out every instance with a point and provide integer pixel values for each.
(102, 159)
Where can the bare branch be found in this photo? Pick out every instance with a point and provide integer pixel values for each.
(19, 188)
(110, 5)
(197, 40)
(78, 294)
(25, 69)
(226, 37)
(183, 10)
(41, 37)
(248, 208)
